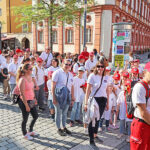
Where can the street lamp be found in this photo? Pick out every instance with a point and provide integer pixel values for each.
(0, 35)
(85, 13)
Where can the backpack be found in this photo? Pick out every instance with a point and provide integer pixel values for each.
(128, 100)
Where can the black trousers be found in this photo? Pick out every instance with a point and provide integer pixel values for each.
(25, 116)
(101, 101)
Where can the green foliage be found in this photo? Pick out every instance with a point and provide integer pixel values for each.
(63, 10)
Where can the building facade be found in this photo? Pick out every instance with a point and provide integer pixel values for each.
(12, 35)
(69, 38)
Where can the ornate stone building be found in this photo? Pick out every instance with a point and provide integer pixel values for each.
(69, 38)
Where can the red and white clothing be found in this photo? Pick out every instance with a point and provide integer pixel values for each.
(90, 64)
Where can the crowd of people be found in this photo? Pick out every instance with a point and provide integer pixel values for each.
(87, 85)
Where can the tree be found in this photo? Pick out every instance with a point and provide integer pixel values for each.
(53, 10)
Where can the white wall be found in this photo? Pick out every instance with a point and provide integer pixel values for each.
(105, 2)
(106, 24)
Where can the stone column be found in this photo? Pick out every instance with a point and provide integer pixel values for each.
(98, 15)
(60, 38)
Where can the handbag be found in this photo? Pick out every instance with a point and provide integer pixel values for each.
(15, 98)
(31, 103)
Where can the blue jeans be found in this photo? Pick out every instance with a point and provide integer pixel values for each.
(12, 86)
(61, 115)
(122, 126)
(128, 127)
(50, 104)
(75, 113)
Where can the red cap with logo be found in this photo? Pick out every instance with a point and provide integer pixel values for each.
(147, 67)
(39, 59)
(135, 70)
(128, 82)
(91, 54)
(125, 74)
(137, 60)
(116, 76)
(81, 57)
(18, 51)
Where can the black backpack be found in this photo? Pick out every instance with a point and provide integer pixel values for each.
(129, 104)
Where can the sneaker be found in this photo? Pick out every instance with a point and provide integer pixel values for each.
(92, 143)
(86, 131)
(33, 133)
(120, 136)
(100, 129)
(61, 132)
(5, 96)
(116, 127)
(107, 129)
(28, 137)
(79, 121)
(67, 131)
(111, 126)
(97, 138)
(128, 139)
(71, 123)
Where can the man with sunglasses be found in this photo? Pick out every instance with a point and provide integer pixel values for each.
(38, 77)
(62, 81)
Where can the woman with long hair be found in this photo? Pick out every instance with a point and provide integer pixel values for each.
(27, 100)
(97, 87)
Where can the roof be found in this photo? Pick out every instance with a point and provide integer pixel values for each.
(7, 38)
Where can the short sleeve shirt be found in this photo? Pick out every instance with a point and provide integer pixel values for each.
(139, 97)
(95, 81)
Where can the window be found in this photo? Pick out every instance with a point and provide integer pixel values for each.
(88, 35)
(54, 36)
(0, 12)
(40, 37)
(69, 36)
(25, 28)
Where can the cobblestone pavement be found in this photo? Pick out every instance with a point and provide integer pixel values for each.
(11, 137)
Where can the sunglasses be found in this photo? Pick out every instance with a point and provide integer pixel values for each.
(68, 64)
(100, 66)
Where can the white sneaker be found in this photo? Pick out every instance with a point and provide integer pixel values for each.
(100, 129)
(28, 137)
(33, 133)
(86, 131)
(5, 96)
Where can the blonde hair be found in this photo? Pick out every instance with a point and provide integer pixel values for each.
(21, 71)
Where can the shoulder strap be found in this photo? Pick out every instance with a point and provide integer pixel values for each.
(98, 87)
(146, 88)
(67, 79)
(47, 58)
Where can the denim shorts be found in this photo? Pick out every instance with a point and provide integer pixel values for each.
(50, 104)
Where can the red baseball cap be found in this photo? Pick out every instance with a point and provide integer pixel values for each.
(50, 73)
(91, 54)
(15, 56)
(83, 85)
(125, 74)
(0, 51)
(28, 50)
(147, 67)
(128, 82)
(81, 57)
(116, 76)
(135, 70)
(18, 51)
(137, 60)
(108, 68)
(39, 59)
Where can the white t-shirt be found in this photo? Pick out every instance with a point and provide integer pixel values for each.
(118, 89)
(44, 56)
(60, 77)
(95, 81)
(89, 64)
(38, 74)
(78, 92)
(51, 69)
(13, 68)
(139, 97)
(49, 89)
(121, 101)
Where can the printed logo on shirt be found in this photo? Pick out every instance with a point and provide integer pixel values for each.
(105, 81)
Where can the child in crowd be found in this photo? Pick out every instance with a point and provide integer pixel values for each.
(78, 92)
(117, 90)
(50, 102)
(112, 99)
(125, 123)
